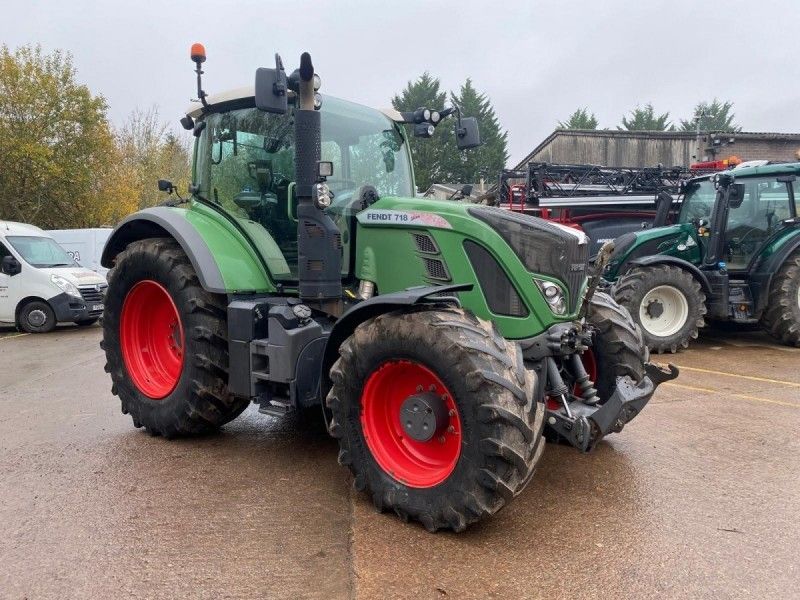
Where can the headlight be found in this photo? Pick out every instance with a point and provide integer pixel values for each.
(554, 296)
(65, 285)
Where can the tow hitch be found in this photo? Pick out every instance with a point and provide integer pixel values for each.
(583, 425)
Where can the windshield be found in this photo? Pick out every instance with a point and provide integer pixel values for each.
(244, 162)
(698, 201)
(41, 252)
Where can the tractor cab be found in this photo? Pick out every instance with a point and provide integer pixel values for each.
(244, 164)
(736, 230)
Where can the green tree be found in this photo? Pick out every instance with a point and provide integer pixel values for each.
(487, 160)
(427, 154)
(580, 119)
(714, 116)
(57, 151)
(645, 119)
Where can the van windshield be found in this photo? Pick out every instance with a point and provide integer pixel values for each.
(40, 252)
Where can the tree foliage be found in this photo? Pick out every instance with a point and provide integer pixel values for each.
(487, 160)
(580, 119)
(437, 159)
(714, 116)
(150, 151)
(646, 119)
(59, 160)
(426, 154)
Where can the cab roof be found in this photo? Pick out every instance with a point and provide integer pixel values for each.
(792, 168)
(14, 228)
(245, 96)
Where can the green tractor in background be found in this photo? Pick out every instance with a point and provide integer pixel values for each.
(439, 338)
(733, 255)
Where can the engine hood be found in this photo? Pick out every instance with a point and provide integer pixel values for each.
(678, 240)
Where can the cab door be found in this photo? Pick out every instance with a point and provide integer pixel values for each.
(764, 211)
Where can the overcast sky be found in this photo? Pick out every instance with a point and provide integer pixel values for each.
(536, 60)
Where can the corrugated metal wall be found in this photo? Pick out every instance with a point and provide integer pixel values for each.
(617, 152)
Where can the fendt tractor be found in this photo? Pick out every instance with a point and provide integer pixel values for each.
(733, 255)
(438, 338)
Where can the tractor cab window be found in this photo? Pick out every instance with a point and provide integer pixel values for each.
(763, 211)
(244, 162)
(698, 203)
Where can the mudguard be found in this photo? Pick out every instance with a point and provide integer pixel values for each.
(378, 305)
(762, 273)
(224, 260)
(664, 259)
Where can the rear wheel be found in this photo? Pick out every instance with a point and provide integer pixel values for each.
(667, 303)
(782, 317)
(435, 416)
(37, 317)
(165, 340)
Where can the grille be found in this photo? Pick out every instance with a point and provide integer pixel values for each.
(90, 294)
(501, 297)
(425, 243)
(436, 269)
(543, 247)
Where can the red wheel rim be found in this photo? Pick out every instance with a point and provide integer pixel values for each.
(151, 338)
(411, 462)
(590, 364)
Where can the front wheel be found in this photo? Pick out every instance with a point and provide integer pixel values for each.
(37, 317)
(435, 416)
(166, 342)
(666, 301)
(782, 317)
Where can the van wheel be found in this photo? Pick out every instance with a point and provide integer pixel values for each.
(37, 317)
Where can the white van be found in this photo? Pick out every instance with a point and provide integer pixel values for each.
(41, 285)
(85, 246)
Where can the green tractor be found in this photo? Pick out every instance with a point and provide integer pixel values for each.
(438, 338)
(733, 255)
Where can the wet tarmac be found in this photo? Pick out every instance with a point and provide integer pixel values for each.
(697, 498)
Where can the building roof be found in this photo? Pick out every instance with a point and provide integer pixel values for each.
(666, 135)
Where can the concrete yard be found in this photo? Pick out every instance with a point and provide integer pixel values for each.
(697, 498)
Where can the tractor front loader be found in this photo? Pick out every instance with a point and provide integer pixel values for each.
(440, 339)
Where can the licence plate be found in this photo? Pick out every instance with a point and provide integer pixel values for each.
(97, 307)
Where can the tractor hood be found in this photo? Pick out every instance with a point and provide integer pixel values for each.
(678, 240)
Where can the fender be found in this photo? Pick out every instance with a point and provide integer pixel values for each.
(664, 259)
(375, 306)
(208, 243)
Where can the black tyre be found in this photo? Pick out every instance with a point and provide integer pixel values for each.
(618, 348)
(483, 436)
(782, 317)
(37, 317)
(165, 340)
(666, 302)
(86, 322)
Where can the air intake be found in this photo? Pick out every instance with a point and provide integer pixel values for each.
(501, 297)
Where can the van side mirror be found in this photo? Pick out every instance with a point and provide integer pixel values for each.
(10, 266)
(735, 195)
(272, 89)
(467, 133)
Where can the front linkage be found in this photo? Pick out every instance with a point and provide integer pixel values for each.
(576, 412)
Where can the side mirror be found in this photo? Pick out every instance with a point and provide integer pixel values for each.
(735, 195)
(10, 266)
(164, 185)
(272, 89)
(466, 190)
(467, 134)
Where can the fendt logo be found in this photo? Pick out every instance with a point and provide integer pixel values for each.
(577, 267)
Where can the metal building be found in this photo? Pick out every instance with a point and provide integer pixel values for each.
(669, 148)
